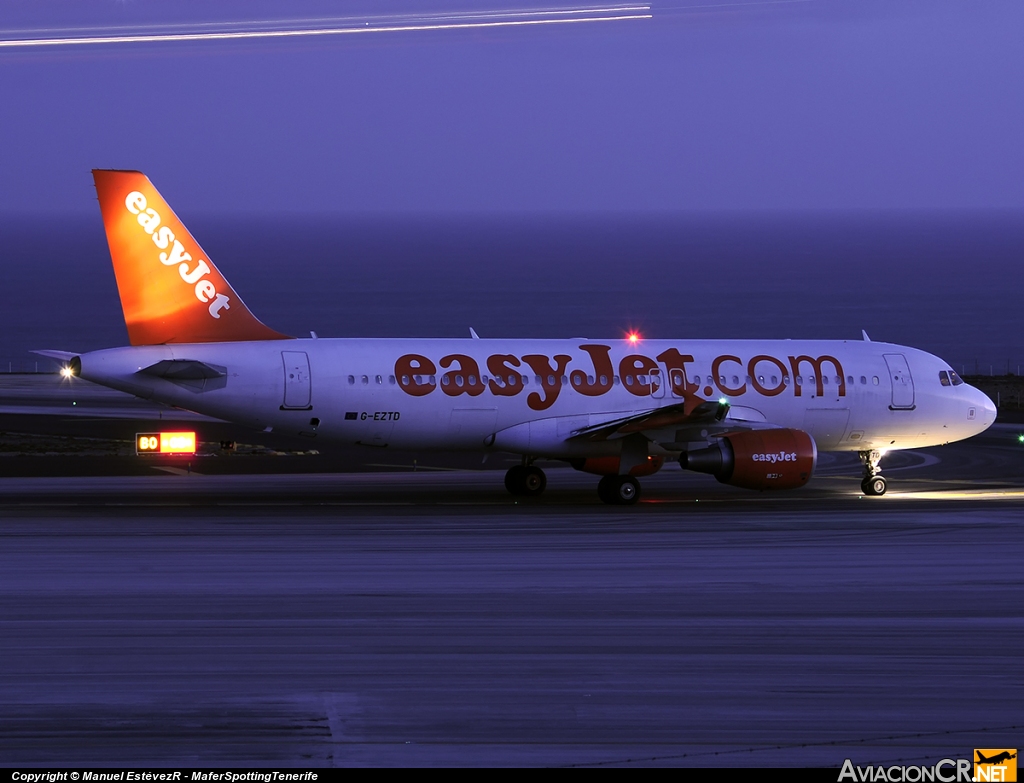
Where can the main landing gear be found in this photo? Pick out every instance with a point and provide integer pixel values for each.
(618, 490)
(526, 480)
(529, 481)
(874, 483)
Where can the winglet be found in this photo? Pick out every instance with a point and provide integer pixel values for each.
(170, 290)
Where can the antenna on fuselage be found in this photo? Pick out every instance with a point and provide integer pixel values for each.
(473, 334)
(864, 334)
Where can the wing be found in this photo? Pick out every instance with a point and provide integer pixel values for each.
(682, 413)
(670, 425)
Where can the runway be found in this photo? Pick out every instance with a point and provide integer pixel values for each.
(427, 618)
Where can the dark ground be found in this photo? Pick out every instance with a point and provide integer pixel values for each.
(423, 618)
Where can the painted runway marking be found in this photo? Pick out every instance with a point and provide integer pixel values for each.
(963, 494)
(176, 471)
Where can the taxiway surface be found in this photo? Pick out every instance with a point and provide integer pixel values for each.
(427, 618)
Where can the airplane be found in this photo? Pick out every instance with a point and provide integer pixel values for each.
(751, 413)
(1004, 756)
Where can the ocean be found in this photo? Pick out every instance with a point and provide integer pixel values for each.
(949, 284)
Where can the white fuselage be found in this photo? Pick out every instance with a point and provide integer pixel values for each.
(455, 394)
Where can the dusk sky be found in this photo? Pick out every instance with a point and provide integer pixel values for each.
(704, 106)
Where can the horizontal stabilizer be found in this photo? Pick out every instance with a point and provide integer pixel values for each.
(184, 370)
(64, 356)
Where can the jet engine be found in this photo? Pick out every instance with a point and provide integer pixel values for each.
(757, 459)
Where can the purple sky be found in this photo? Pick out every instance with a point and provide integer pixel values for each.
(799, 105)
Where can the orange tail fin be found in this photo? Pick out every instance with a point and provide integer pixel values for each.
(170, 290)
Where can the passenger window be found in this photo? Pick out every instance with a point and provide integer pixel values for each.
(874, 379)
(379, 379)
(445, 379)
(824, 380)
(799, 380)
(391, 379)
(351, 380)
(944, 378)
(366, 379)
(849, 380)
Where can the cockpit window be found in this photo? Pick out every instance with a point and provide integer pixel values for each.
(944, 378)
(956, 379)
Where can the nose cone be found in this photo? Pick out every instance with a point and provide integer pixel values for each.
(986, 409)
(989, 414)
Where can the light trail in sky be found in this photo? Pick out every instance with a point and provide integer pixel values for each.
(389, 24)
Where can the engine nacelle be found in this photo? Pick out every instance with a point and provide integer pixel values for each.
(609, 466)
(757, 459)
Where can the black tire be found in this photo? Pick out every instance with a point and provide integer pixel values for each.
(514, 480)
(604, 490)
(875, 485)
(533, 482)
(625, 490)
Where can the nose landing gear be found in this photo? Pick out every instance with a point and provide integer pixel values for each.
(874, 483)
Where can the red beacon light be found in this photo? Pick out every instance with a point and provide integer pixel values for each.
(633, 337)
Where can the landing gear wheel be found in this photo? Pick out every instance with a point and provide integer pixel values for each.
(533, 482)
(873, 485)
(626, 490)
(619, 490)
(514, 480)
(527, 480)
